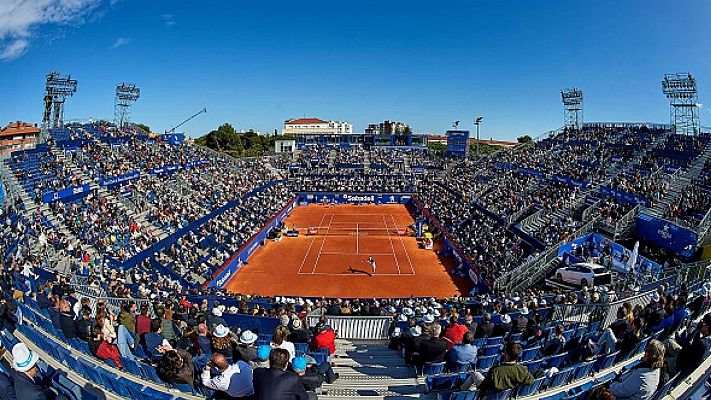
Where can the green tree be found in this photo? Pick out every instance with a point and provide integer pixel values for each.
(144, 127)
(524, 139)
(437, 147)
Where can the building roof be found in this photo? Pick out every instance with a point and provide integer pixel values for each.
(19, 127)
(303, 121)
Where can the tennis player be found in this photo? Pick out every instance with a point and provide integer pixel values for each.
(372, 265)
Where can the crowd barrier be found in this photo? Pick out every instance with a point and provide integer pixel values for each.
(362, 328)
(605, 313)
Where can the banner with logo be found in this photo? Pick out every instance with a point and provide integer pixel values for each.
(531, 171)
(355, 198)
(67, 194)
(668, 235)
(169, 169)
(623, 196)
(570, 181)
(117, 180)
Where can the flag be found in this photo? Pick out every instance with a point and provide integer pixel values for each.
(633, 257)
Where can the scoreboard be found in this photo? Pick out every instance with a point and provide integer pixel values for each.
(457, 143)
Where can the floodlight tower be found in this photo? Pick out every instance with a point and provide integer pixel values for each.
(126, 94)
(683, 97)
(572, 108)
(57, 89)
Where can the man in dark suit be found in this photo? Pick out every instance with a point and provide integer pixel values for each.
(433, 349)
(502, 328)
(275, 383)
(485, 329)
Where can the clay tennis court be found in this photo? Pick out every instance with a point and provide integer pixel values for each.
(333, 259)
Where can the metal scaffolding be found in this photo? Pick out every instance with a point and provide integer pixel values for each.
(57, 89)
(572, 108)
(683, 97)
(126, 94)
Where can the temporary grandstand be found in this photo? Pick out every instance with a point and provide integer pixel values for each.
(99, 218)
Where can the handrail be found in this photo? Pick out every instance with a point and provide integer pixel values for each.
(351, 327)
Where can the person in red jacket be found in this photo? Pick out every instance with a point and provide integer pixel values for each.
(455, 332)
(325, 339)
(103, 349)
(143, 321)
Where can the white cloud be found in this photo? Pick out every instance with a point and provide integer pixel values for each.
(168, 19)
(122, 41)
(18, 19)
(14, 49)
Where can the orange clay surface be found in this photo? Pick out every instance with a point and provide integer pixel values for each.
(334, 263)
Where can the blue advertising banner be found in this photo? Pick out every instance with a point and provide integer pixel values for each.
(531, 171)
(623, 196)
(457, 143)
(170, 169)
(66, 194)
(504, 165)
(196, 163)
(355, 198)
(117, 180)
(666, 234)
(596, 245)
(174, 139)
(570, 181)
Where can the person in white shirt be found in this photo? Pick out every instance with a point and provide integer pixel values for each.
(280, 342)
(235, 380)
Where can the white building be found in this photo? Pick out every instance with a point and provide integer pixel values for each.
(315, 126)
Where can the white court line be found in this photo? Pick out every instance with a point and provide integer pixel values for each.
(357, 241)
(349, 273)
(403, 247)
(391, 243)
(335, 253)
(311, 244)
(322, 243)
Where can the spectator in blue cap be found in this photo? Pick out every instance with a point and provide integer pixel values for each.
(262, 360)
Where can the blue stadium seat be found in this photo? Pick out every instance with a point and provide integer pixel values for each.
(557, 360)
(461, 395)
(560, 378)
(502, 395)
(433, 368)
(490, 350)
(484, 363)
(605, 361)
(582, 370)
(530, 353)
(528, 390)
(442, 382)
(464, 366)
(533, 366)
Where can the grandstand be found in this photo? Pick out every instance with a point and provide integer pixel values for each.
(97, 218)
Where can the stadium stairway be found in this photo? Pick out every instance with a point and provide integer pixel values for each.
(369, 370)
(681, 180)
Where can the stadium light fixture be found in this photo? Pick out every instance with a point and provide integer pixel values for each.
(477, 122)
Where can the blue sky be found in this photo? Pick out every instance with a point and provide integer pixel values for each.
(255, 63)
